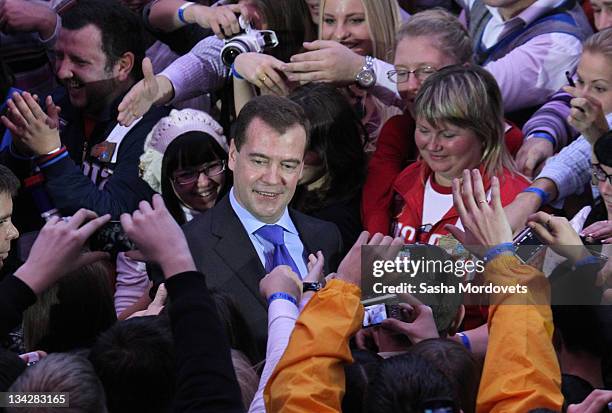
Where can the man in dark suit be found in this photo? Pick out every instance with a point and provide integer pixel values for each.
(228, 243)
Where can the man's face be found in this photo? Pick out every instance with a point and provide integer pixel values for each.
(8, 232)
(267, 169)
(81, 66)
(509, 8)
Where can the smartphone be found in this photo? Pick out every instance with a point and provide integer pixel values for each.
(527, 244)
(376, 313)
(570, 80)
(110, 238)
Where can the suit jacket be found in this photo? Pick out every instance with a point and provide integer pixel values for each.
(223, 251)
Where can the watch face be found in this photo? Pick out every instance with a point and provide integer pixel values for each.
(366, 78)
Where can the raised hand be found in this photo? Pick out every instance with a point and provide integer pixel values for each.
(281, 280)
(485, 223)
(421, 328)
(532, 155)
(325, 61)
(263, 71)
(58, 249)
(158, 237)
(222, 20)
(586, 115)
(558, 234)
(349, 269)
(142, 95)
(33, 130)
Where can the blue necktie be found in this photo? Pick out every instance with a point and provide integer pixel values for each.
(275, 235)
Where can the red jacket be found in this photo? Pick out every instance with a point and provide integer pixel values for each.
(395, 150)
(410, 184)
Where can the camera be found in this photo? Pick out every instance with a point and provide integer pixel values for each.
(528, 245)
(376, 313)
(249, 40)
(111, 238)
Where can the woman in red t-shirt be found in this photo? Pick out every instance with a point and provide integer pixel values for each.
(459, 125)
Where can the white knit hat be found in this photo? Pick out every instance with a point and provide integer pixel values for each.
(168, 129)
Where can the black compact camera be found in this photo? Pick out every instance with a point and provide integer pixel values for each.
(111, 238)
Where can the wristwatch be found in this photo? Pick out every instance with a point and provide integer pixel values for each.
(312, 286)
(366, 78)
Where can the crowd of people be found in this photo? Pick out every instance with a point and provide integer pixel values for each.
(188, 191)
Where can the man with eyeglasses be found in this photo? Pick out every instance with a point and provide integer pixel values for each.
(251, 230)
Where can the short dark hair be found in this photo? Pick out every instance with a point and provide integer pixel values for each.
(121, 30)
(8, 181)
(63, 372)
(457, 364)
(135, 362)
(406, 384)
(277, 112)
(603, 149)
(190, 149)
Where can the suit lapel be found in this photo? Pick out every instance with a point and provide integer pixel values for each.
(309, 233)
(236, 249)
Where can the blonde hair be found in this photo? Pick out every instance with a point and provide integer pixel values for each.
(383, 19)
(248, 380)
(469, 98)
(450, 36)
(600, 42)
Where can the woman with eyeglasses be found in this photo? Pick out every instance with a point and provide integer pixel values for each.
(184, 159)
(192, 175)
(429, 41)
(598, 223)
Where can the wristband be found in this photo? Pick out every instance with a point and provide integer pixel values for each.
(545, 135)
(49, 159)
(181, 11)
(466, 341)
(540, 192)
(591, 259)
(282, 296)
(499, 249)
(235, 73)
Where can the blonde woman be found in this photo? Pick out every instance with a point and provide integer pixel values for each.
(356, 42)
(459, 125)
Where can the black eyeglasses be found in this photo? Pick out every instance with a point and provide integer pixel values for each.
(189, 176)
(401, 75)
(599, 174)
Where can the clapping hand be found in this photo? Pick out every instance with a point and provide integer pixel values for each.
(33, 130)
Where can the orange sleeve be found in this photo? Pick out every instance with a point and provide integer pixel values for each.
(310, 375)
(521, 371)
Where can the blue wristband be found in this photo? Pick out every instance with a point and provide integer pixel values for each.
(499, 249)
(545, 135)
(282, 296)
(181, 11)
(591, 259)
(235, 73)
(466, 341)
(540, 192)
